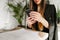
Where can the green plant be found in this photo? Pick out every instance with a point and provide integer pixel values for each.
(58, 15)
(18, 10)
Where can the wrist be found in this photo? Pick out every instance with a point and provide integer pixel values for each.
(44, 22)
(40, 19)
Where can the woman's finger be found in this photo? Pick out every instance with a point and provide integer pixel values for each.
(28, 18)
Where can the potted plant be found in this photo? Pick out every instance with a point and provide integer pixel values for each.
(18, 11)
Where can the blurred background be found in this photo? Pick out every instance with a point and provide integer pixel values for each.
(12, 13)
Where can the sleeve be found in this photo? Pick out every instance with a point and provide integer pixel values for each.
(53, 29)
(55, 36)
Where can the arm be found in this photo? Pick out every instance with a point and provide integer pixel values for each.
(44, 22)
(55, 25)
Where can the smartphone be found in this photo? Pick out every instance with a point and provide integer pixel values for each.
(28, 11)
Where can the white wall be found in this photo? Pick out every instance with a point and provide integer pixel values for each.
(7, 21)
(56, 3)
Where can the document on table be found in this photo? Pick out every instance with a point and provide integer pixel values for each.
(22, 34)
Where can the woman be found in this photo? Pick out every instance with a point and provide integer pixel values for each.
(42, 17)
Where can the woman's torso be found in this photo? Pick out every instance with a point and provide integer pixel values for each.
(48, 15)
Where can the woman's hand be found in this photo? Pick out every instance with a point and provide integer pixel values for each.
(36, 16)
(30, 21)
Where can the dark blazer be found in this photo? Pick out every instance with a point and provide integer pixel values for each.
(50, 16)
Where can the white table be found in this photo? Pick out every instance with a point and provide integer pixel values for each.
(22, 34)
